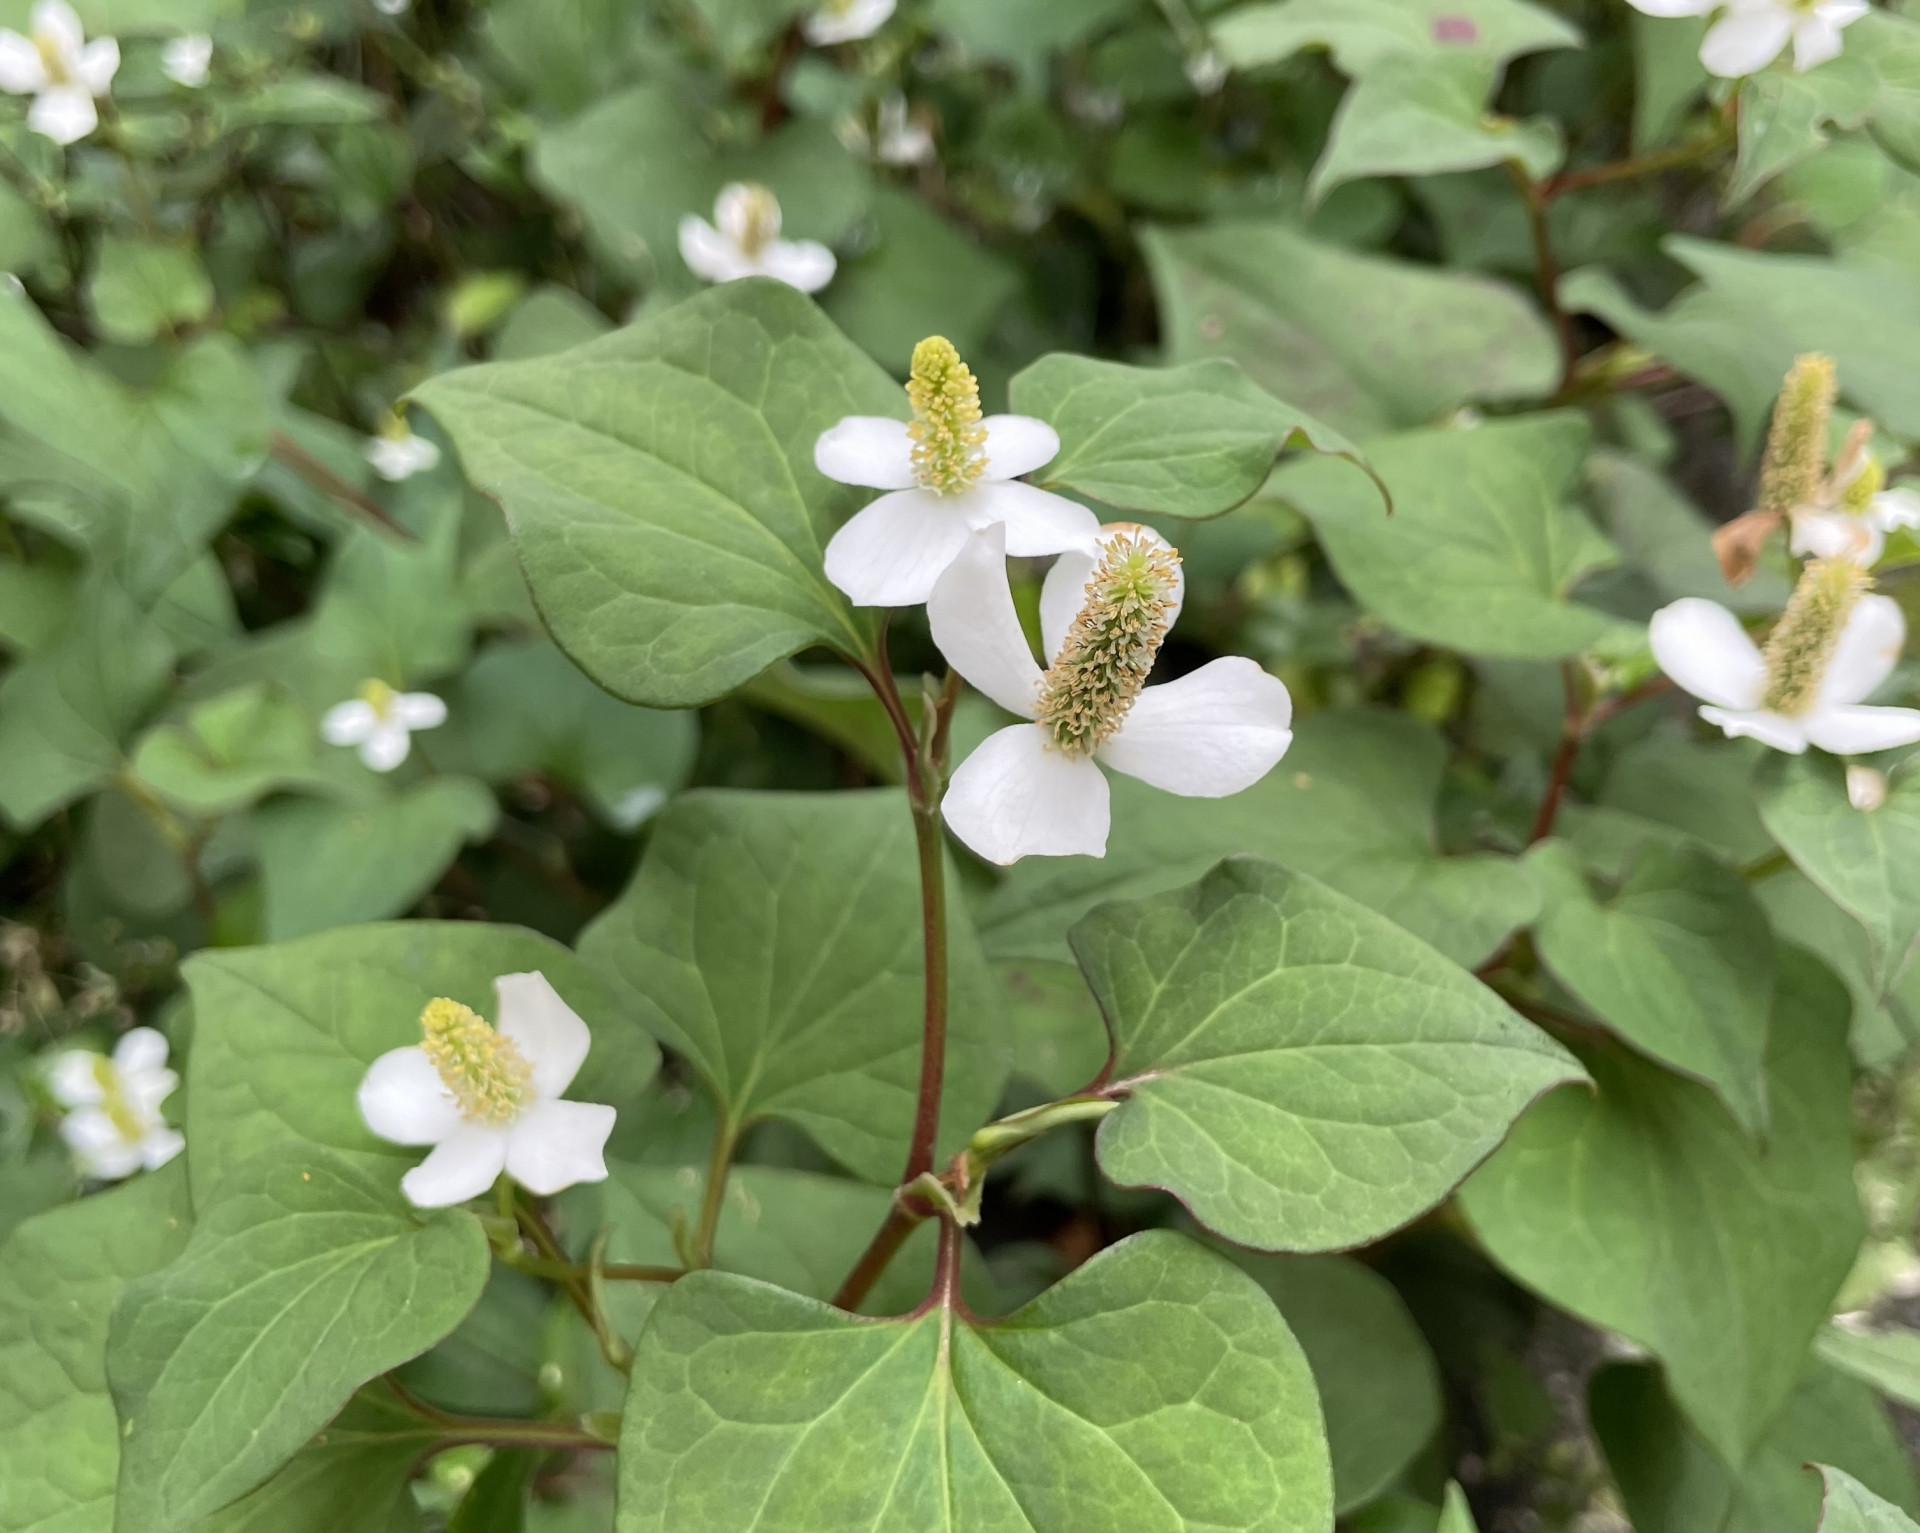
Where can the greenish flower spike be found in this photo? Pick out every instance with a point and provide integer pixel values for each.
(1793, 471)
(946, 430)
(481, 1067)
(1109, 651)
(1803, 641)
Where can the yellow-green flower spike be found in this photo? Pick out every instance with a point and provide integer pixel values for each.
(760, 221)
(1110, 647)
(114, 1101)
(1803, 641)
(1792, 473)
(1868, 480)
(946, 430)
(487, 1074)
(378, 695)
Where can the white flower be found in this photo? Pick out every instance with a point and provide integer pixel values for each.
(1837, 533)
(1035, 789)
(381, 722)
(1826, 654)
(186, 60)
(951, 473)
(1866, 788)
(747, 242)
(60, 69)
(490, 1100)
(393, 7)
(113, 1124)
(1751, 33)
(897, 138)
(398, 454)
(846, 21)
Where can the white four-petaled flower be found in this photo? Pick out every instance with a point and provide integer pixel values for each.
(398, 453)
(113, 1123)
(186, 60)
(1035, 789)
(846, 21)
(1831, 650)
(1750, 33)
(60, 69)
(381, 722)
(489, 1099)
(951, 472)
(744, 241)
(898, 139)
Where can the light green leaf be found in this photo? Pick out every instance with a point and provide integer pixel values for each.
(1482, 547)
(356, 1473)
(283, 1035)
(1455, 1515)
(1667, 73)
(923, 277)
(774, 941)
(1297, 1070)
(230, 750)
(34, 601)
(1863, 862)
(212, 401)
(304, 1278)
(1352, 805)
(1888, 1360)
(1154, 1387)
(1416, 115)
(1669, 1478)
(1753, 313)
(60, 1273)
(525, 707)
(326, 863)
(1363, 34)
(142, 288)
(1024, 35)
(1849, 1507)
(836, 703)
(1186, 441)
(1366, 343)
(1649, 1211)
(1379, 1388)
(661, 487)
(548, 320)
(65, 710)
(1677, 959)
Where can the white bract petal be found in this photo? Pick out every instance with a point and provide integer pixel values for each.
(709, 253)
(891, 553)
(846, 21)
(97, 64)
(1674, 7)
(419, 710)
(489, 1098)
(115, 1126)
(1789, 735)
(1836, 535)
(387, 747)
(1018, 796)
(21, 72)
(187, 60)
(1018, 444)
(64, 113)
(1062, 593)
(1866, 652)
(1747, 39)
(1703, 648)
(1037, 522)
(975, 626)
(873, 451)
(1895, 508)
(1213, 733)
(804, 264)
(56, 29)
(1859, 730)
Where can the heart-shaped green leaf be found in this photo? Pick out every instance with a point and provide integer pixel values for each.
(774, 940)
(1299, 1071)
(1678, 961)
(1156, 1387)
(1863, 860)
(1185, 441)
(60, 1273)
(282, 1035)
(1849, 1507)
(1482, 547)
(1648, 1210)
(661, 488)
(302, 1280)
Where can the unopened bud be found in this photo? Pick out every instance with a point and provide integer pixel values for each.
(1866, 788)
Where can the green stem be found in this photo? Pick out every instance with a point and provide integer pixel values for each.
(577, 1288)
(505, 1431)
(580, 1272)
(713, 1197)
(1635, 165)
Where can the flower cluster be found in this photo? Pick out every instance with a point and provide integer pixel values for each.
(744, 241)
(382, 722)
(63, 72)
(955, 512)
(113, 1122)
